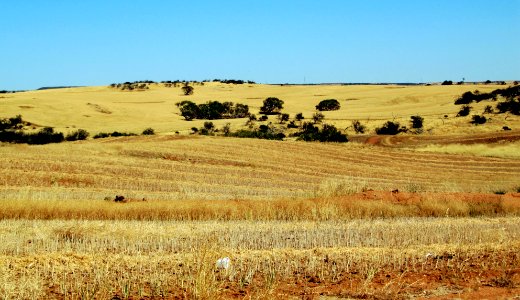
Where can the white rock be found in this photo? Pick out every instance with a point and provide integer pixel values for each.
(223, 263)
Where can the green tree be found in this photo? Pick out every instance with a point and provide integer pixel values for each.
(189, 110)
(272, 106)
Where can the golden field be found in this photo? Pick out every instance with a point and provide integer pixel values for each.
(432, 215)
(104, 108)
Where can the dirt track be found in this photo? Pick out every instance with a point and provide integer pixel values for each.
(421, 140)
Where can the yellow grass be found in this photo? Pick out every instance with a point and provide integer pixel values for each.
(98, 109)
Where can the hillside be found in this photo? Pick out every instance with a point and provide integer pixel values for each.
(98, 109)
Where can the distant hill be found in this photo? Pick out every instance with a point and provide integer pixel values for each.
(57, 87)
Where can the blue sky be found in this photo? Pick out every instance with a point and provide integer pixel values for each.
(62, 42)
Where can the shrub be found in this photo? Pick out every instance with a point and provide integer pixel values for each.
(298, 117)
(476, 119)
(101, 135)
(283, 118)
(148, 131)
(77, 135)
(292, 124)
(464, 111)
(263, 132)
(417, 122)
(187, 89)
(391, 128)
(488, 109)
(447, 82)
(45, 136)
(329, 133)
(358, 127)
(271, 106)
(264, 118)
(328, 104)
(318, 117)
(511, 105)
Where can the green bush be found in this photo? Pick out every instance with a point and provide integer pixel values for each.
(77, 135)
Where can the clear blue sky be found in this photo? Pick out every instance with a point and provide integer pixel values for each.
(97, 42)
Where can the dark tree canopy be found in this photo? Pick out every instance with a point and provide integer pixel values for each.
(212, 110)
(272, 106)
(391, 128)
(328, 104)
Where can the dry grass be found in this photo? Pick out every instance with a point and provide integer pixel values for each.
(177, 168)
(297, 219)
(96, 259)
(366, 205)
(506, 150)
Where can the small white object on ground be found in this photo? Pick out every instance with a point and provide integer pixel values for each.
(223, 263)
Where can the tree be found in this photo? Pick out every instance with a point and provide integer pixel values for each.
(189, 110)
(272, 106)
(329, 104)
(299, 117)
(187, 89)
(447, 82)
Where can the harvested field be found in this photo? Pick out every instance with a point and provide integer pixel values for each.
(398, 258)
(172, 168)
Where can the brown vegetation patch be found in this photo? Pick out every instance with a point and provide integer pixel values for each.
(99, 108)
